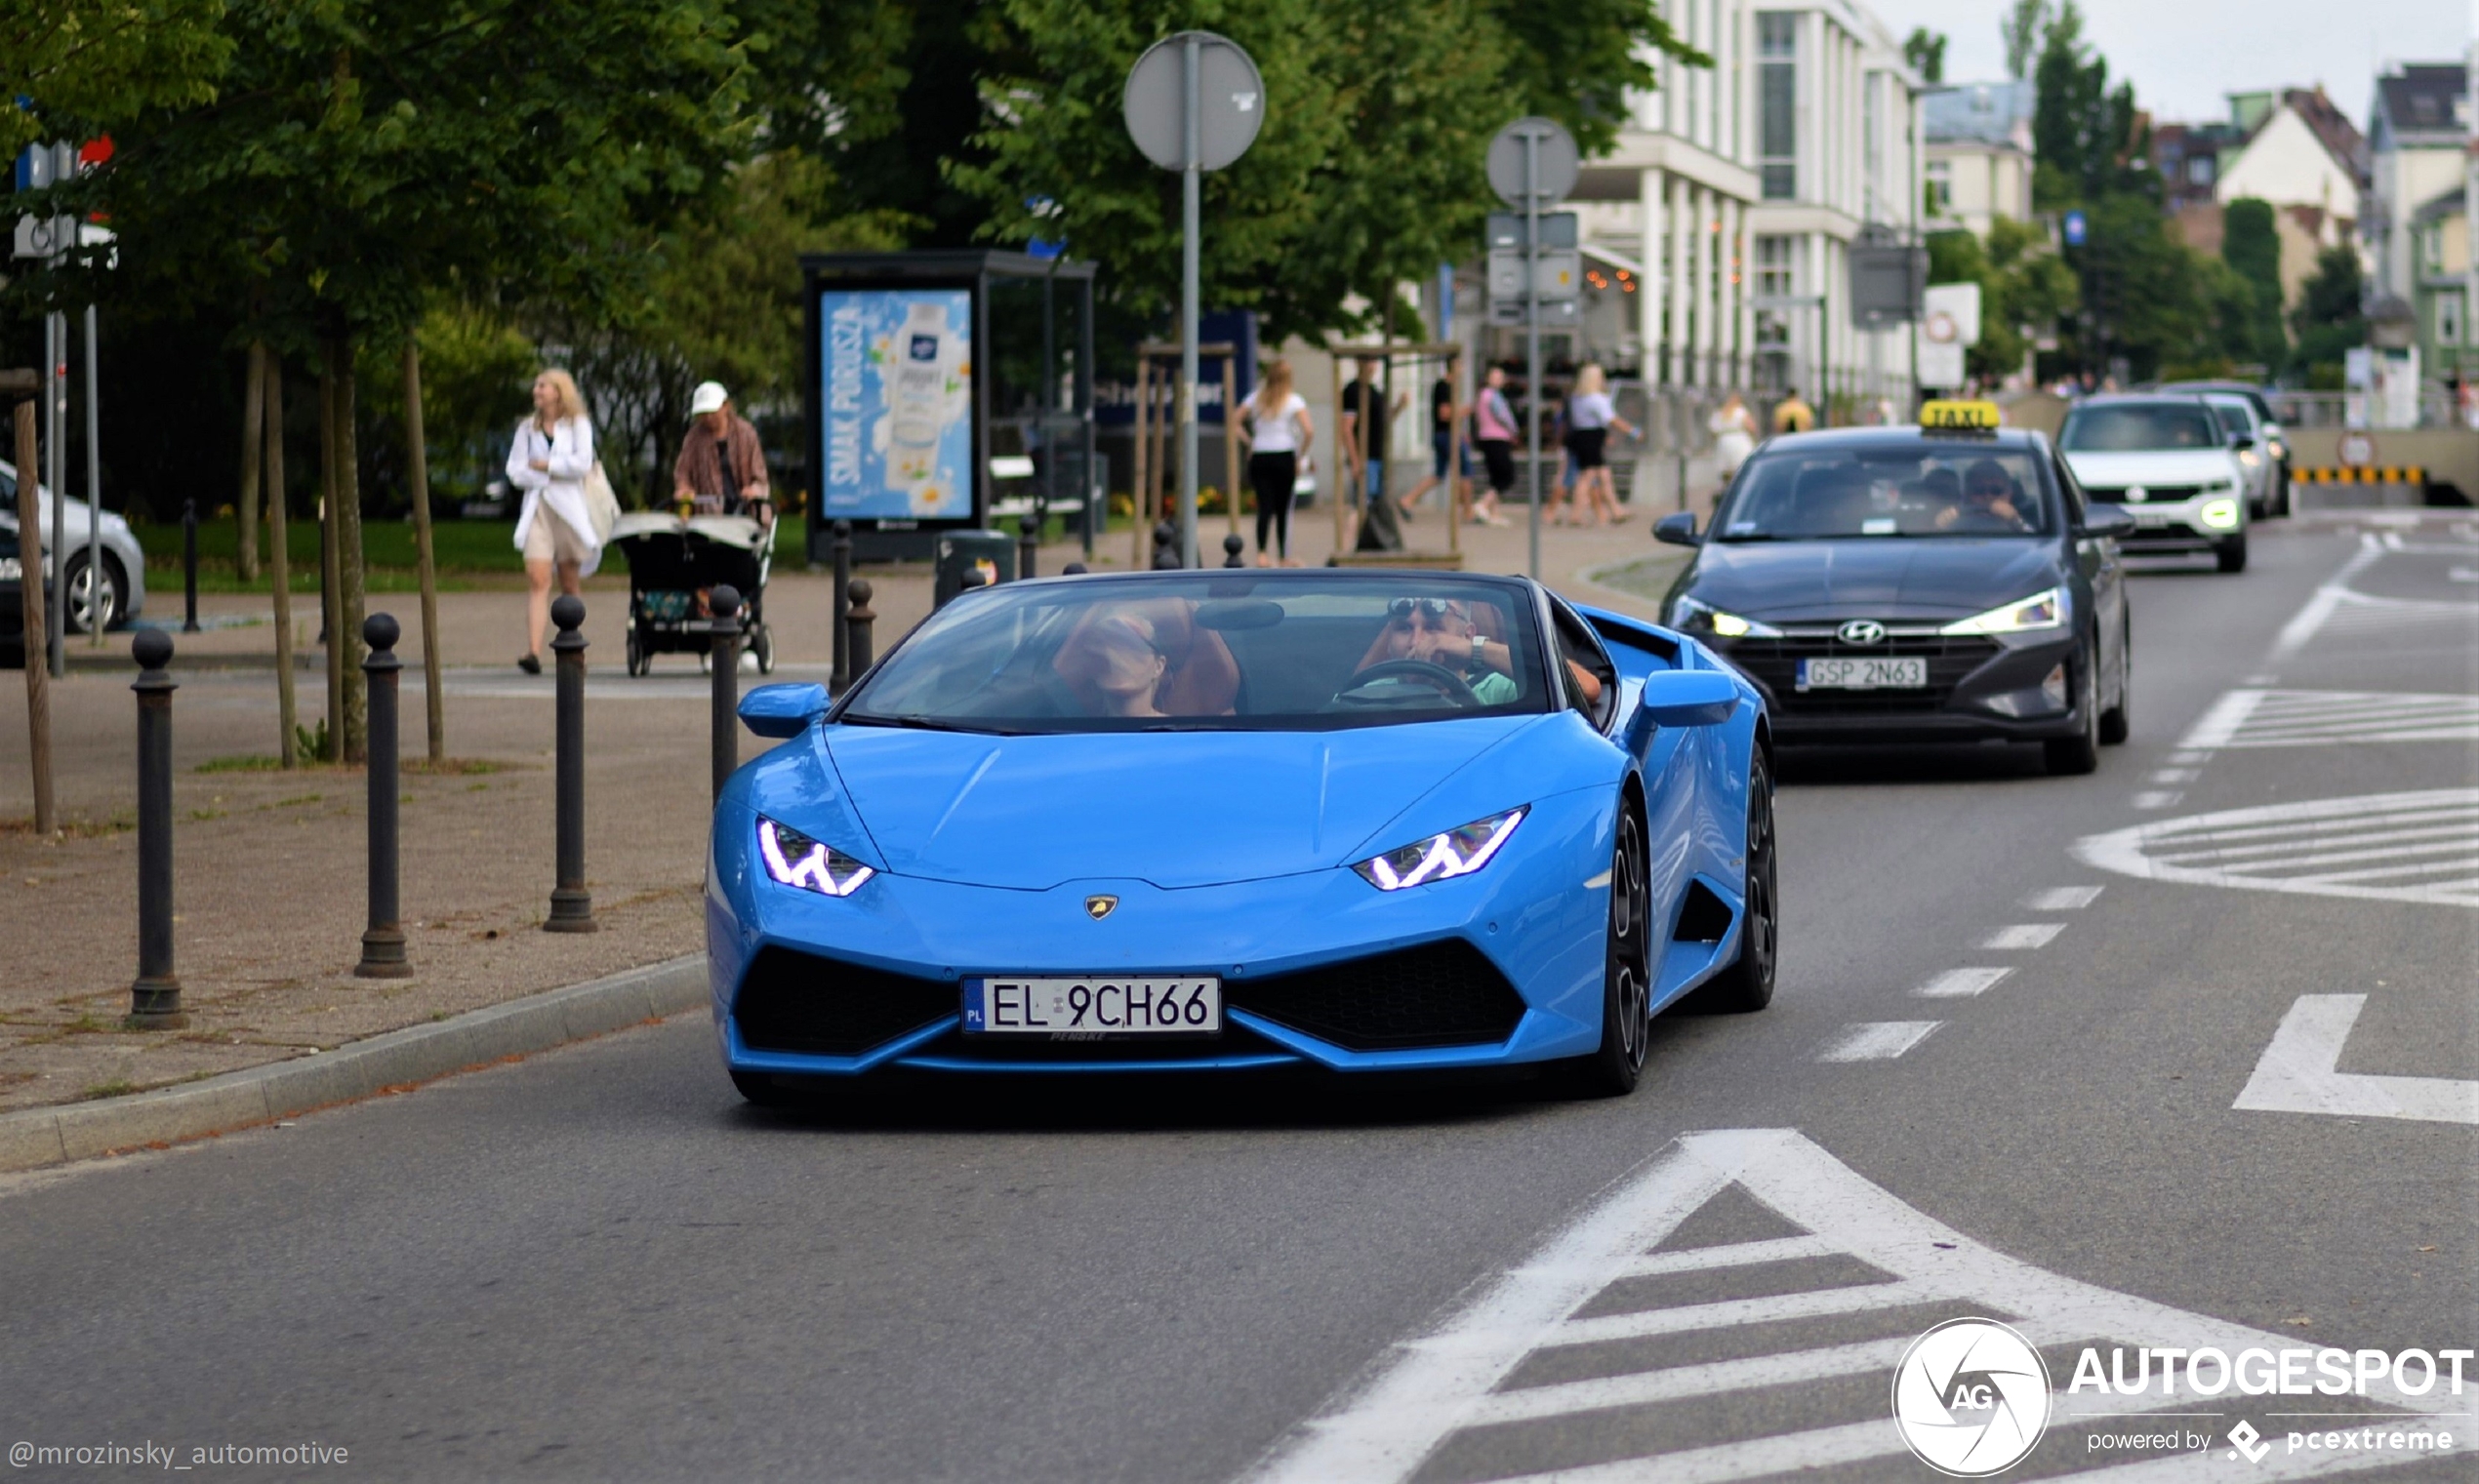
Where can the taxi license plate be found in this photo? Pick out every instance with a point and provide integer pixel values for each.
(1863, 674)
(1099, 1008)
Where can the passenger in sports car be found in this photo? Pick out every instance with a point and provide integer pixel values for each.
(1147, 658)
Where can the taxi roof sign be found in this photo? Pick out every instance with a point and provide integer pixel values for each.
(1959, 417)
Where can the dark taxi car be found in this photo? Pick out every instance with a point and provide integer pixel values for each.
(1917, 584)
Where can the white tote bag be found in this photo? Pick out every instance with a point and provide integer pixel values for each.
(602, 507)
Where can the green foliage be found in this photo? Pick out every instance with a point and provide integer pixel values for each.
(2251, 248)
(2087, 139)
(1924, 51)
(83, 66)
(2328, 319)
(2025, 289)
(2025, 20)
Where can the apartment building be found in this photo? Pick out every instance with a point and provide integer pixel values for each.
(1723, 216)
(1977, 154)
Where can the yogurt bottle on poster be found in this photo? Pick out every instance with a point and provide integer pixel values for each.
(916, 397)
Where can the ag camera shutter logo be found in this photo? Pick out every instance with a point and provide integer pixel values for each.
(1971, 1398)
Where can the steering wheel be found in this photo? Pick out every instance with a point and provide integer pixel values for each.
(1449, 684)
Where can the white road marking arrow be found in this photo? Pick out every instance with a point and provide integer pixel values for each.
(2298, 1073)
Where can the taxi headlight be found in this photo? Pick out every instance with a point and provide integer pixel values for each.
(1442, 857)
(2220, 515)
(794, 859)
(2042, 610)
(1688, 614)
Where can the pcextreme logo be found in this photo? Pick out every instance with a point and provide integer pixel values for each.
(1971, 1397)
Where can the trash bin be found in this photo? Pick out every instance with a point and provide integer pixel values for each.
(961, 551)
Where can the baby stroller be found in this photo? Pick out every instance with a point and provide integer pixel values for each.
(674, 564)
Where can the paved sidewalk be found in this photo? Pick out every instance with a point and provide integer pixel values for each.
(271, 864)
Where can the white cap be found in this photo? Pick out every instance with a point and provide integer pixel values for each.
(709, 396)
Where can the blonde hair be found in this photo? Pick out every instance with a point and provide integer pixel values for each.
(571, 404)
(1276, 386)
(1590, 380)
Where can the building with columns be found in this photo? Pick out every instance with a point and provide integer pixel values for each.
(1735, 192)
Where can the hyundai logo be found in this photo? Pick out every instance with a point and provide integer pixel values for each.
(1861, 631)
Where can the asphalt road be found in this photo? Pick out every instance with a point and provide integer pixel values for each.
(599, 1263)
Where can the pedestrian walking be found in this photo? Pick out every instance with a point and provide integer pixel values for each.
(1275, 427)
(1364, 438)
(1792, 415)
(1443, 410)
(1493, 431)
(1589, 417)
(721, 470)
(1733, 429)
(551, 460)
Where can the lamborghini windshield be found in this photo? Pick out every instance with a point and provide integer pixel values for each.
(1931, 488)
(1221, 650)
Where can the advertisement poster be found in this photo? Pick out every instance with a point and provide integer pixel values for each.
(896, 380)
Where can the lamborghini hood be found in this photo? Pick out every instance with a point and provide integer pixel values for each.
(1176, 809)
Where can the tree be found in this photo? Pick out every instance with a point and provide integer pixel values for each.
(2085, 137)
(2022, 29)
(2251, 248)
(1924, 51)
(2331, 319)
(2025, 290)
(82, 66)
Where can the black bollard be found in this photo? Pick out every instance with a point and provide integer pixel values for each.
(1028, 543)
(382, 942)
(154, 1000)
(1165, 547)
(724, 602)
(1230, 547)
(859, 621)
(1072, 568)
(841, 673)
(189, 572)
(572, 907)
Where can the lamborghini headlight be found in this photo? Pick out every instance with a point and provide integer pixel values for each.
(1690, 613)
(1442, 857)
(792, 858)
(2042, 610)
(2220, 515)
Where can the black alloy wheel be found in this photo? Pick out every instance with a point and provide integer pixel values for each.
(1747, 984)
(1626, 1012)
(2081, 753)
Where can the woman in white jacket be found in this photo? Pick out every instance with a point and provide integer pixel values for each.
(554, 452)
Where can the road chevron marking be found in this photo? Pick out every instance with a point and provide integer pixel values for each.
(2299, 1073)
(1425, 1390)
(2428, 842)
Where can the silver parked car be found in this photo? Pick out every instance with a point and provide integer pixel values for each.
(2246, 440)
(124, 584)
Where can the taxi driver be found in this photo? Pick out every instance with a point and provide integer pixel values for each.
(1987, 503)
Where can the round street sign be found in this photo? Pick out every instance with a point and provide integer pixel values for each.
(1228, 91)
(1556, 164)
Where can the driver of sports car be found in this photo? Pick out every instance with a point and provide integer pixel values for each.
(1439, 631)
(1990, 501)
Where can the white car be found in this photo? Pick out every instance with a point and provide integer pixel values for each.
(2246, 440)
(2166, 459)
(124, 592)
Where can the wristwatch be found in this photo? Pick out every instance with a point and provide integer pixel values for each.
(1478, 644)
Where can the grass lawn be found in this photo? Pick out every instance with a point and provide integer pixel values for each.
(471, 554)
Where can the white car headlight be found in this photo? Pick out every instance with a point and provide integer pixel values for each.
(2220, 515)
(2249, 457)
(792, 858)
(1688, 613)
(1442, 857)
(2042, 610)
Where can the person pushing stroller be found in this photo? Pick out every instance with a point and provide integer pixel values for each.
(721, 470)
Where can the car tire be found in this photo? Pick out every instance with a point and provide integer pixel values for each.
(1614, 1068)
(115, 595)
(2231, 554)
(2117, 722)
(769, 1090)
(636, 654)
(1747, 984)
(2081, 753)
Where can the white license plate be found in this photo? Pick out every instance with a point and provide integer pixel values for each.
(1863, 674)
(1092, 1009)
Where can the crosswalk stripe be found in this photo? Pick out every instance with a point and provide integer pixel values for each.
(2272, 719)
(1428, 1389)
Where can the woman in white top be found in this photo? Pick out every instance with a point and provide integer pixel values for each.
(1274, 426)
(554, 452)
(1590, 415)
(1733, 429)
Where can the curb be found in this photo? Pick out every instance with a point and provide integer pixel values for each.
(34, 1138)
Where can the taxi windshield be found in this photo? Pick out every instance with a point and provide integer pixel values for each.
(1928, 489)
(1213, 652)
